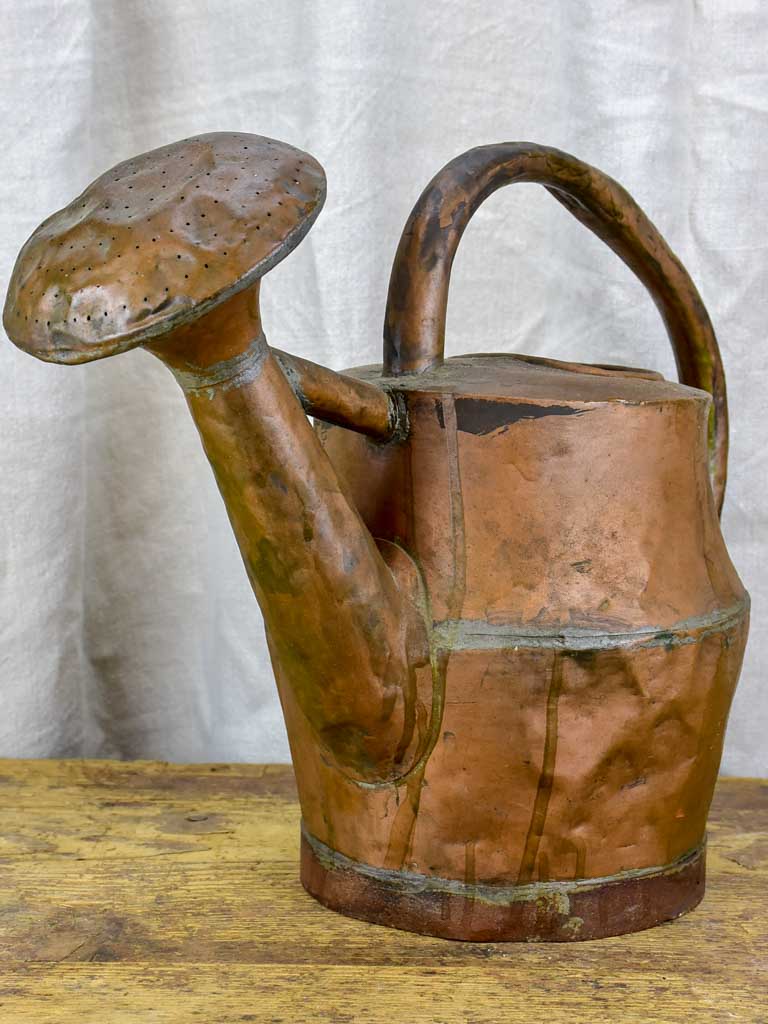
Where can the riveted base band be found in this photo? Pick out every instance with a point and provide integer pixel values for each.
(591, 908)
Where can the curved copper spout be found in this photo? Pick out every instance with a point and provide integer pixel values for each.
(346, 638)
(167, 251)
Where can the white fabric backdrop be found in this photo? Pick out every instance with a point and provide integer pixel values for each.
(127, 625)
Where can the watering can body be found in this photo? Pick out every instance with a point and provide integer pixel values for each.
(503, 622)
(557, 525)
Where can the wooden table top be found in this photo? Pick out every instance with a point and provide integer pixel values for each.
(158, 893)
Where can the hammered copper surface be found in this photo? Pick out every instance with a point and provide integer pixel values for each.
(503, 622)
(158, 239)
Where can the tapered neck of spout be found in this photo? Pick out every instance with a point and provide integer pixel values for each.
(222, 336)
(348, 644)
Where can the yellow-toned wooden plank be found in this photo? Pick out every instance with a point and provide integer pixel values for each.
(50, 783)
(148, 892)
(197, 828)
(103, 810)
(171, 911)
(493, 992)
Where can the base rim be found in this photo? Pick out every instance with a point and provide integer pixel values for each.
(541, 912)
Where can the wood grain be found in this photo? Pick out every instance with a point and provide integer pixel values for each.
(168, 893)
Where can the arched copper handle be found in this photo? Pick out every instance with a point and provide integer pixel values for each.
(414, 328)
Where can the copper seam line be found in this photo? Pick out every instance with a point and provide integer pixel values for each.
(543, 911)
(458, 540)
(438, 657)
(470, 878)
(238, 371)
(404, 825)
(469, 634)
(437, 672)
(414, 780)
(410, 694)
(401, 833)
(546, 776)
(409, 714)
(503, 894)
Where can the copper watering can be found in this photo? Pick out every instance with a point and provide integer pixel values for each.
(502, 618)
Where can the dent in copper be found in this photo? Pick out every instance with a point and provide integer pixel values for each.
(503, 622)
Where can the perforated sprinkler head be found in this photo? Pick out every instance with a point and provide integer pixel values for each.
(157, 242)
